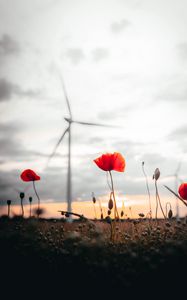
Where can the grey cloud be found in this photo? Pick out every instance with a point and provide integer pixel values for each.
(8, 90)
(8, 46)
(10, 146)
(117, 27)
(8, 181)
(76, 55)
(179, 132)
(99, 54)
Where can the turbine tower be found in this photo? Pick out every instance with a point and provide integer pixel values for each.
(68, 131)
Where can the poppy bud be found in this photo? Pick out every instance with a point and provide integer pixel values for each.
(101, 216)
(170, 214)
(122, 213)
(62, 213)
(156, 174)
(109, 212)
(110, 204)
(22, 195)
(142, 163)
(94, 200)
(141, 215)
(30, 199)
(66, 215)
(8, 202)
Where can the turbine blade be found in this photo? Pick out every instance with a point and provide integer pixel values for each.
(65, 94)
(57, 144)
(95, 124)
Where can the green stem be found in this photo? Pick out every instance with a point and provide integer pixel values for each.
(156, 202)
(30, 210)
(36, 196)
(8, 210)
(22, 209)
(115, 206)
(158, 197)
(148, 191)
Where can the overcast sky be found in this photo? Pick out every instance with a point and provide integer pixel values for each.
(124, 63)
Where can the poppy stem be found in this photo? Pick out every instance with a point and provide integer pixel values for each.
(95, 211)
(148, 191)
(30, 209)
(156, 205)
(115, 206)
(22, 209)
(36, 196)
(8, 210)
(158, 199)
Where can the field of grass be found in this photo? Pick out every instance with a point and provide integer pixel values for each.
(146, 254)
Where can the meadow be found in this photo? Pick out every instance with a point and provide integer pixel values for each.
(135, 256)
(146, 255)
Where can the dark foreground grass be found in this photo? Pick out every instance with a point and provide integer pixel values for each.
(43, 256)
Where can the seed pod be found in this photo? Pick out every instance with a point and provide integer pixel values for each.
(8, 202)
(30, 199)
(141, 215)
(156, 174)
(122, 213)
(22, 195)
(66, 215)
(93, 198)
(109, 212)
(101, 216)
(110, 204)
(170, 214)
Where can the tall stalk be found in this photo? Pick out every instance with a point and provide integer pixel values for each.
(148, 191)
(158, 199)
(8, 203)
(116, 214)
(37, 197)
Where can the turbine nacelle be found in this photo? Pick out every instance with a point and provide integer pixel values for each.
(69, 120)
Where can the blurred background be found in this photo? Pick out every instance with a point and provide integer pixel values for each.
(124, 62)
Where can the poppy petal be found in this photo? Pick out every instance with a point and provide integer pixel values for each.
(111, 161)
(183, 191)
(118, 162)
(29, 175)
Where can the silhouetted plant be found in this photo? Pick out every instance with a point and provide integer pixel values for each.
(169, 212)
(30, 175)
(8, 204)
(108, 162)
(147, 186)
(22, 195)
(156, 176)
(30, 203)
(94, 202)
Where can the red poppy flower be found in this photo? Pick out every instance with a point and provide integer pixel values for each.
(111, 161)
(183, 191)
(29, 175)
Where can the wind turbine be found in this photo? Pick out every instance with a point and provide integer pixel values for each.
(68, 131)
(177, 179)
